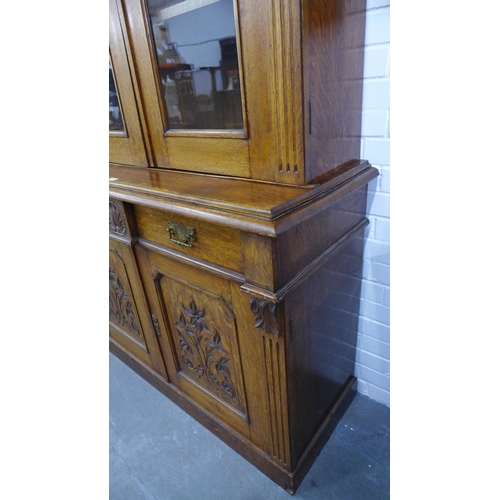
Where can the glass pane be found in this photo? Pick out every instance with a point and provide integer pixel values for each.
(115, 115)
(198, 61)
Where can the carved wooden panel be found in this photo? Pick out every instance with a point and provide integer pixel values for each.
(204, 340)
(122, 309)
(116, 219)
(264, 314)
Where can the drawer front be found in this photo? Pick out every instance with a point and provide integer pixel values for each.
(215, 244)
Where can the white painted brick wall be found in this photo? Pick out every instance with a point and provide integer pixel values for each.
(373, 354)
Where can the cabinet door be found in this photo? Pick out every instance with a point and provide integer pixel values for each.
(129, 322)
(199, 335)
(126, 142)
(219, 88)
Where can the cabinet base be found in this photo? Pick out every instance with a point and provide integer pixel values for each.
(289, 481)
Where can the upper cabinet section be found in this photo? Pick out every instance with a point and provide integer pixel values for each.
(262, 89)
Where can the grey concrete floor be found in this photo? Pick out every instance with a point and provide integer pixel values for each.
(159, 452)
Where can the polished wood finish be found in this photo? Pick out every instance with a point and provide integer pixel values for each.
(257, 325)
(130, 324)
(216, 244)
(333, 44)
(198, 336)
(301, 70)
(127, 147)
(235, 259)
(321, 352)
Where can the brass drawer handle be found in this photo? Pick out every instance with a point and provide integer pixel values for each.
(181, 234)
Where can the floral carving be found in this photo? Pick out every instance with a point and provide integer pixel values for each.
(202, 350)
(116, 219)
(120, 305)
(264, 315)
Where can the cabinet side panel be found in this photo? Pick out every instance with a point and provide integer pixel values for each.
(323, 321)
(333, 47)
(304, 242)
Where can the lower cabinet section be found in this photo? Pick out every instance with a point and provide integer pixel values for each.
(257, 343)
(270, 377)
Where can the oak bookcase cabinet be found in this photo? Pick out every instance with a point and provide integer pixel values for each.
(237, 213)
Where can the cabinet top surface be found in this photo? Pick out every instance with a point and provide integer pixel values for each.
(258, 199)
(250, 205)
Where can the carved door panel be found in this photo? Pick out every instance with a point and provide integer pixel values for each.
(129, 322)
(200, 345)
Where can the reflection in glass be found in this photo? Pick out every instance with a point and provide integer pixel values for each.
(198, 63)
(115, 116)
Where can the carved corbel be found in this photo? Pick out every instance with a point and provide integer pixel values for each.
(116, 219)
(264, 313)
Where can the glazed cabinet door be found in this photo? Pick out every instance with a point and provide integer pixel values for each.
(221, 85)
(199, 335)
(126, 141)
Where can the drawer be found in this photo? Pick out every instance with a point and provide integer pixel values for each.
(209, 242)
